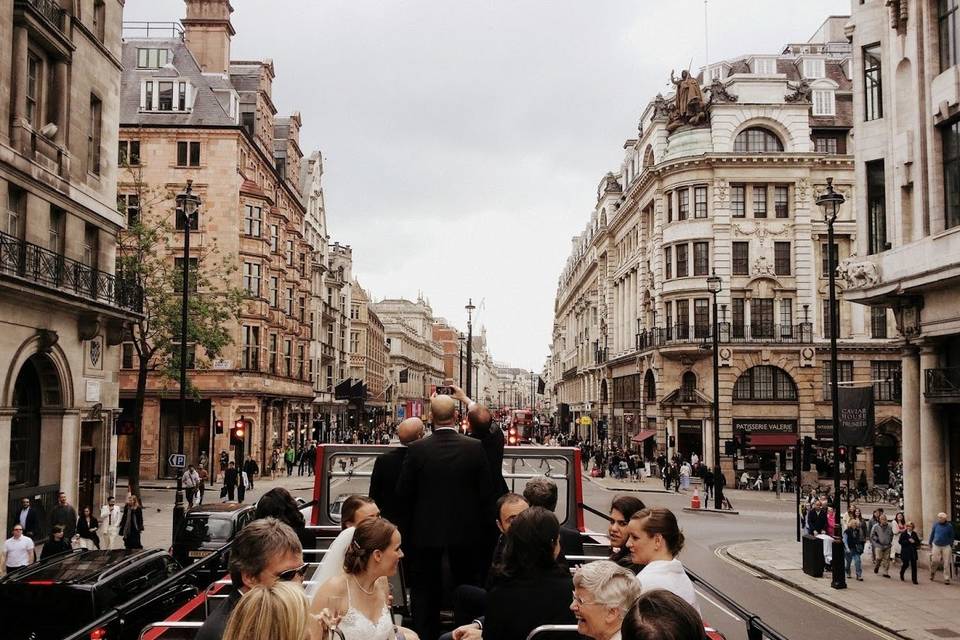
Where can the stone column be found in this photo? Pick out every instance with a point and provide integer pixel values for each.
(932, 472)
(70, 454)
(19, 88)
(635, 299)
(619, 315)
(61, 75)
(6, 424)
(910, 432)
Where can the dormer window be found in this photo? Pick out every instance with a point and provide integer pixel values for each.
(813, 68)
(765, 66)
(716, 73)
(165, 95)
(824, 102)
(151, 58)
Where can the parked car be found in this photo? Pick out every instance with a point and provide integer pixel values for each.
(56, 596)
(206, 528)
(337, 506)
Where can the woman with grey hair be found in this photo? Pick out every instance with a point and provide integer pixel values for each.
(603, 592)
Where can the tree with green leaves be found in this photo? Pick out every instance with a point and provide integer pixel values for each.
(149, 255)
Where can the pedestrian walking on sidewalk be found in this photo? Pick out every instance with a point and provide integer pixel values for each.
(881, 538)
(288, 457)
(204, 476)
(909, 550)
(853, 546)
(707, 483)
(941, 544)
(230, 481)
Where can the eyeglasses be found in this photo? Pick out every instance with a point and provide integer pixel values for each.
(580, 601)
(292, 574)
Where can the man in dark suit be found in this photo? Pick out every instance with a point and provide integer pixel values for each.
(386, 473)
(445, 483)
(29, 518)
(541, 492)
(481, 428)
(817, 520)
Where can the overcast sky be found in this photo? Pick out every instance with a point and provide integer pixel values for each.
(464, 139)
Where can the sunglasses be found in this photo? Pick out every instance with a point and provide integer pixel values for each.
(292, 574)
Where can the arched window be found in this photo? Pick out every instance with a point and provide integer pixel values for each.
(650, 387)
(688, 387)
(757, 140)
(765, 382)
(648, 160)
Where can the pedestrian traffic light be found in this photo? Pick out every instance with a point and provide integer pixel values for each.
(219, 427)
(807, 452)
(672, 442)
(729, 447)
(238, 432)
(842, 450)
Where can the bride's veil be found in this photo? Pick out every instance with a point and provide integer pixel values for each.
(332, 563)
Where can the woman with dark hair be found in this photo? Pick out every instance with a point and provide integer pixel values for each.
(356, 509)
(529, 587)
(621, 510)
(661, 615)
(279, 503)
(56, 543)
(655, 541)
(87, 527)
(131, 523)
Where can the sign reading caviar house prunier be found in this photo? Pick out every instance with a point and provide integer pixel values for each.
(856, 416)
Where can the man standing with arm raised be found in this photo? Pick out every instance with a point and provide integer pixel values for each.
(446, 484)
(386, 473)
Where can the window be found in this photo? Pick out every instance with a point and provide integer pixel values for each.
(786, 318)
(828, 320)
(764, 382)
(872, 87)
(949, 21)
(93, 135)
(34, 84)
(252, 219)
(191, 355)
(272, 353)
(274, 238)
(251, 279)
(274, 292)
(128, 153)
(688, 387)
(668, 310)
(760, 202)
(302, 309)
(683, 204)
(824, 103)
(99, 19)
(288, 358)
(738, 200)
(669, 198)
(127, 352)
(701, 258)
(825, 259)
(781, 201)
(886, 380)
(151, 58)
(764, 66)
(188, 154)
(16, 211)
(781, 258)
(251, 347)
(878, 322)
(738, 317)
(757, 140)
(681, 260)
(288, 252)
(876, 208)
(91, 245)
(741, 258)
(950, 137)
(288, 301)
(813, 69)
(181, 96)
(844, 374)
(300, 359)
(827, 145)
(683, 319)
(281, 164)
(178, 267)
(147, 96)
(761, 318)
(699, 202)
(668, 262)
(180, 222)
(165, 96)
(701, 318)
(247, 119)
(58, 220)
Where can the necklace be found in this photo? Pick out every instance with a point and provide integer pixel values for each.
(360, 586)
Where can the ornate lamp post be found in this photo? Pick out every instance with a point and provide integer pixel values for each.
(830, 202)
(188, 206)
(714, 285)
(470, 307)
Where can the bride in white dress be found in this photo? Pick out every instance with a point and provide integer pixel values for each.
(353, 581)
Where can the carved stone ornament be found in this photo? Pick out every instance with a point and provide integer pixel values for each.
(762, 267)
(907, 316)
(46, 339)
(88, 327)
(718, 92)
(802, 193)
(611, 185)
(719, 190)
(760, 231)
(802, 92)
(662, 108)
(808, 357)
(857, 273)
(689, 105)
(899, 11)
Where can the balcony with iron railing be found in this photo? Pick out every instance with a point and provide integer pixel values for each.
(943, 385)
(29, 263)
(728, 333)
(601, 355)
(49, 10)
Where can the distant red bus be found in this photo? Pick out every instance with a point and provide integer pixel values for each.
(520, 426)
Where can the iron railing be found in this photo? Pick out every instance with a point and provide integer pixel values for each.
(28, 261)
(600, 355)
(943, 383)
(49, 10)
(141, 29)
(657, 337)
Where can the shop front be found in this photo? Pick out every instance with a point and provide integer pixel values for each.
(627, 407)
(768, 439)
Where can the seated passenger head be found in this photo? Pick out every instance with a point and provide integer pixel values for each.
(509, 506)
(532, 546)
(603, 592)
(264, 552)
(57, 532)
(356, 509)
(661, 615)
(279, 504)
(443, 410)
(541, 492)
(480, 420)
(279, 611)
(375, 546)
(621, 510)
(654, 535)
(409, 430)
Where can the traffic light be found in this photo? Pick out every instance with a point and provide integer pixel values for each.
(238, 432)
(512, 436)
(729, 447)
(842, 450)
(807, 452)
(672, 442)
(219, 427)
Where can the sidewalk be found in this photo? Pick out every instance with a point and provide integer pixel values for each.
(926, 611)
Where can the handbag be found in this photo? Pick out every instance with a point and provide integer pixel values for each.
(223, 492)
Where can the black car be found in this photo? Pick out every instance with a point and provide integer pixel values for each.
(206, 528)
(56, 596)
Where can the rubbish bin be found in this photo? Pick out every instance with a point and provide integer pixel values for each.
(813, 561)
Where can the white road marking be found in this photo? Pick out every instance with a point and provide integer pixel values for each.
(718, 605)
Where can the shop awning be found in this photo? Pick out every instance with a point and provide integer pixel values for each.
(643, 435)
(773, 440)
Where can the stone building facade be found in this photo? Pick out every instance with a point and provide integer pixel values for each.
(62, 307)
(727, 189)
(368, 356)
(189, 112)
(907, 126)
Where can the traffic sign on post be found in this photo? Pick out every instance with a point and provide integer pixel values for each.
(177, 460)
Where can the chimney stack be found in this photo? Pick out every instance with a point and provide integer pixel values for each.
(207, 31)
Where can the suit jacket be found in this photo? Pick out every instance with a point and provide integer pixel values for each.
(516, 606)
(32, 527)
(67, 516)
(571, 544)
(493, 444)
(216, 623)
(445, 480)
(230, 477)
(383, 486)
(817, 521)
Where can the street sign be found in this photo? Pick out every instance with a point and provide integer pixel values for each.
(177, 460)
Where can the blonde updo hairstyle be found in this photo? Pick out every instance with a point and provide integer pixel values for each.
(277, 612)
(373, 534)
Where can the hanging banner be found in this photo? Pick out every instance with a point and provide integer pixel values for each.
(856, 416)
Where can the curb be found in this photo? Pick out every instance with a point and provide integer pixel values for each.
(846, 609)
(627, 489)
(719, 512)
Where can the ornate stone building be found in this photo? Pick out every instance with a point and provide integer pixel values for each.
(62, 308)
(723, 180)
(368, 356)
(907, 125)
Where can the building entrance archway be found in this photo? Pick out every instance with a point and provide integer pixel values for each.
(884, 451)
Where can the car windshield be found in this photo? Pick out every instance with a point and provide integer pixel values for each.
(205, 529)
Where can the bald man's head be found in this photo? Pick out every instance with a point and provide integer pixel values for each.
(444, 410)
(409, 430)
(480, 420)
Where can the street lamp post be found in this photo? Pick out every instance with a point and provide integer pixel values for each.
(714, 285)
(189, 204)
(830, 202)
(469, 309)
(460, 340)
